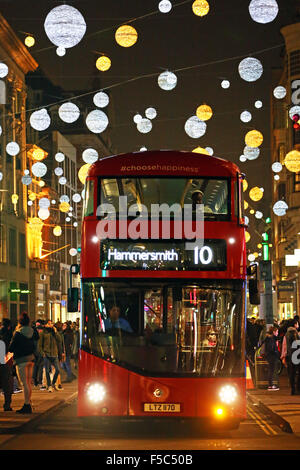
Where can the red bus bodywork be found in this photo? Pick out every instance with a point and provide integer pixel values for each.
(127, 390)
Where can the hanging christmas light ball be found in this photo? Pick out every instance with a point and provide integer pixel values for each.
(26, 180)
(83, 172)
(1, 176)
(165, 6)
(65, 26)
(292, 161)
(101, 99)
(12, 148)
(30, 203)
(209, 150)
(151, 113)
(137, 118)
(58, 171)
(73, 252)
(64, 198)
(294, 110)
(245, 116)
(43, 214)
(64, 207)
(38, 154)
(32, 196)
(200, 7)
(29, 41)
(280, 208)
(246, 219)
(0, 130)
(60, 51)
(143, 149)
(69, 112)
(256, 194)
(76, 197)
(62, 180)
(68, 219)
(39, 169)
(225, 84)
(167, 80)
(276, 167)
(252, 211)
(40, 120)
(53, 201)
(144, 126)
(243, 159)
(75, 224)
(204, 112)
(59, 157)
(83, 194)
(259, 215)
(3, 70)
(41, 184)
(57, 231)
(254, 138)
(200, 150)
(90, 155)
(126, 36)
(14, 198)
(251, 153)
(258, 104)
(103, 63)
(96, 121)
(276, 177)
(194, 127)
(250, 69)
(245, 185)
(251, 257)
(263, 11)
(279, 92)
(247, 236)
(44, 203)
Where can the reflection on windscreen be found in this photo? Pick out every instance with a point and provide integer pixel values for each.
(166, 330)
(212, 193)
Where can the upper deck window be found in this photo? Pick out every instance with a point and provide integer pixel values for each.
(211, 192)
(89, 198)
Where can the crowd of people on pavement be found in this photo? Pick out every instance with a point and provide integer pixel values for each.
(281, 342)
(36, 354)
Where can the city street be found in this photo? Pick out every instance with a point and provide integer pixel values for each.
(62, 430)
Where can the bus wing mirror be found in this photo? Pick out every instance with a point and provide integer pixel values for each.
(254, 296)
(73, 298)
(177, 293)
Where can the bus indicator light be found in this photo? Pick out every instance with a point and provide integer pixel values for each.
(96, 392)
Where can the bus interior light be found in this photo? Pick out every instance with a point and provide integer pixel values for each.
(228, 394)
(95, 392)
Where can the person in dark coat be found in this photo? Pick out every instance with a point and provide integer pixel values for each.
(6, 368)
(68, 343)
(272, 355)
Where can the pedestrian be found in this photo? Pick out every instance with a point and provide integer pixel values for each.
(23, 346)
(58, 325)
(6, 365)
(272, 355)
(288, 348)
(50, 346)
(37, 375)
(68, 343)
(75, 347)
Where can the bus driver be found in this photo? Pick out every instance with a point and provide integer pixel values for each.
(115, 321)
(197, 198)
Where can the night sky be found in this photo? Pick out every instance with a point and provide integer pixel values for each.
(169, 41)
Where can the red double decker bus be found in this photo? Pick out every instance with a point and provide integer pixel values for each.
(162, 326)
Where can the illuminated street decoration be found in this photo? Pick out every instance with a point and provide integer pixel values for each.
(29, 41)
(280, 208)
(57, 231)
(209, 150)
(194, 127)
(97, 121)
(101, 99)
(34, 237)
(62, 180)
(65, 26)
(263, 11)
(276, 167)
(246, 205)
(200, 7)
(64, 206)
(276, 177)
(38, 154)
(76, 197)
(61, 51)
(292, 161)
(167, 80)
(151, 113)
(225, 84)
(39, 169)
(279, 92)
(44, 203)
(258, 215)
(254, 138)
(64, 198)
(90, 155)
(59, 157)
(26, 180)
(43, 214)
(126, 36)
(204, 112)
(103, 63)
(144, 126)
(73, 252)
(165, 6)
(251, 153)
(250, 69)
(137, 118)
(256, 194)
(294, 110)
(245, 116)
(58, 171)
(245, 185)
(258, 104)
(14, 198)
(40, 120)
(3, 70)
(83, 171)
(243, 159)
(68, 112)
(201, 150)
(247, 236)
(12, 148)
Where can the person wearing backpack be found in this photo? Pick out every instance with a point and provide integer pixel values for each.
(272, 355)
(50, 346)
(287, 353)
(23, 347)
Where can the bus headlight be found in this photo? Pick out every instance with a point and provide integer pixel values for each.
(228, 394)
(95, 392)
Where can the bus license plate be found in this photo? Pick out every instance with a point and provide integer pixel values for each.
(162, 407)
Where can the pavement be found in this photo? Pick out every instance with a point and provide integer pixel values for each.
(280, 406)
(43, 402)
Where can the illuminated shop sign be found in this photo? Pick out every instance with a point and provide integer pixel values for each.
(162, 255)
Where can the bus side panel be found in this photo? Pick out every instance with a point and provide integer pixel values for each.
(92, 370)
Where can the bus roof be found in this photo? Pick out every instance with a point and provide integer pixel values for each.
(164, 163)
